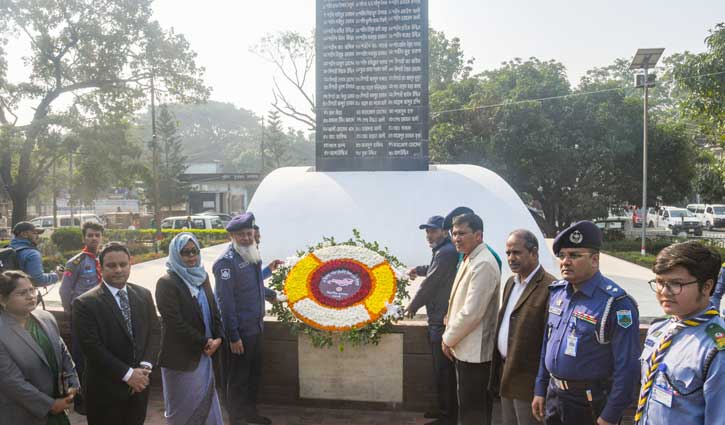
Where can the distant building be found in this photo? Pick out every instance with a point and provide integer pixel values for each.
(214, 190)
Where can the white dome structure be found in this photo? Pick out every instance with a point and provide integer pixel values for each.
(296, 206)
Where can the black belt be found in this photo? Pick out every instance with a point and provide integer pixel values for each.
(566, 385)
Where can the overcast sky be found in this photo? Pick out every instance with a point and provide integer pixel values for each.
(580, 34)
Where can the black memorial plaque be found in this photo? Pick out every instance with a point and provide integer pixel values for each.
(372, 85)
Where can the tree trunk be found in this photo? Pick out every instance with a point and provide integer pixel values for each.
(20, 205)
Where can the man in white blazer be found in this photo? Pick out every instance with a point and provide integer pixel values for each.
(471, 322)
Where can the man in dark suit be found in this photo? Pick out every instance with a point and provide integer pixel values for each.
(114, 323)
(520, 329)
(433, 293)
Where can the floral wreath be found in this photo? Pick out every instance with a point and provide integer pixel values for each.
(351, 291)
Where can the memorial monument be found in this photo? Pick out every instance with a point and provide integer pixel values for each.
(372, 173)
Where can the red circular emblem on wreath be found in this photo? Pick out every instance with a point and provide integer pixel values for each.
(340, 283)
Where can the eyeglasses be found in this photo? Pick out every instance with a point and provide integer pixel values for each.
(573, 256)
(673, 288)
(189, 252)
(25, 292)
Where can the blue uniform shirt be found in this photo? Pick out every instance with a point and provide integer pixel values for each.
(575, 348)
(693, 398)
(79, 277)
(241, 293)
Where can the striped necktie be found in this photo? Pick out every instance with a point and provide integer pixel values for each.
(126, 311)
(655, 359)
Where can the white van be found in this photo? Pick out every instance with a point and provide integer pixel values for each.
(197, 222)
(714, 216)
(46, 222)
(699, 211)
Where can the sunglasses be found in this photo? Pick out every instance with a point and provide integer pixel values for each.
(189, 252)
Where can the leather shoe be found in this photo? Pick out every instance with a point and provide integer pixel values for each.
(431, 415)
(258, 419)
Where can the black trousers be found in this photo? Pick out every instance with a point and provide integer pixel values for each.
(573, 407)
(444, 376)
(131, 411)
(80, 362)
(475, 402)
(242, 375)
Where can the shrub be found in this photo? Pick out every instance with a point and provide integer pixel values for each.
(68, 238)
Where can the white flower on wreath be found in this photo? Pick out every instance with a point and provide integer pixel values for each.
(401, 273)
(393, 311)
(291, 261)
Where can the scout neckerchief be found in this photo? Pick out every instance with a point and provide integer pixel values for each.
(98, 264)
(653, 362)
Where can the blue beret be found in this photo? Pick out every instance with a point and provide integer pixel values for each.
(435, 222)
(241, 222)
(583, 234)
(448, 221)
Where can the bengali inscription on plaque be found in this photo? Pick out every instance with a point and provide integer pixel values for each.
(372, 85)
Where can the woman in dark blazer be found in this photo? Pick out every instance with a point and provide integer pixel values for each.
(191, 334)
(37, 376)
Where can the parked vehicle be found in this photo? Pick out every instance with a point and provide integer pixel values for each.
(46, 222)
(638, 217)
(679, 220)
(699, 211)
(193, 222)
(225, 218)
(714, 216)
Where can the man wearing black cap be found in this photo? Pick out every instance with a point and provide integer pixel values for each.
(29, 259)
(433, 293)
(589, 360)
(241, 293)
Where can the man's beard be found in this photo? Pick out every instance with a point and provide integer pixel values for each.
(250, 253)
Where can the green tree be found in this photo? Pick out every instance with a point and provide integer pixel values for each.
(702, 77)
(173, 163)
(447, 62)
(99, 58)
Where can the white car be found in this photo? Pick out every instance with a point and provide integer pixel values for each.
(46, 222)
(197, 222)
(699, 211)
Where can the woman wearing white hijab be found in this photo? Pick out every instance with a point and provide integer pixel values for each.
(191, 334)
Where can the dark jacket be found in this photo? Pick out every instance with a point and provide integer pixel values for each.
(516, 377)
(31, 262)
(240, 290)
(435, 290)
(182, 324)
(107, 346)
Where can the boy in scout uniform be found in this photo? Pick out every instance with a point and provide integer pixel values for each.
(589, 356)
(683, 369)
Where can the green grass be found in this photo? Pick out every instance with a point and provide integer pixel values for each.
(634, 257)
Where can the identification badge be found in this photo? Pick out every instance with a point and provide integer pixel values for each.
(555, 310)
(662, 395)
(571, 343)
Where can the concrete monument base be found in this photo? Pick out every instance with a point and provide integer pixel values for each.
(354, 374)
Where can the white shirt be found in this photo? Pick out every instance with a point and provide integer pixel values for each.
(516, 291)
(114, 292)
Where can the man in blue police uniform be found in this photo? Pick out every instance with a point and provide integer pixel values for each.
(589, 356)
(683, 369)
(241, 293)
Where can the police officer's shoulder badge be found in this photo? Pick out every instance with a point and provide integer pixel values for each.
(576, 237)
(717, 333)
(624, 318)
(226, 274)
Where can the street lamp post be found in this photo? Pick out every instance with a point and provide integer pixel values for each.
(645, 59)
